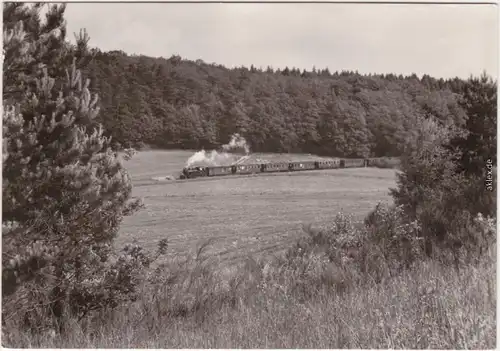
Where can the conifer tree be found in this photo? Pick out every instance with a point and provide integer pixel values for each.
(64, 191)
(479, 101)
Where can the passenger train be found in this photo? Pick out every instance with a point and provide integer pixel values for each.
(214, 171)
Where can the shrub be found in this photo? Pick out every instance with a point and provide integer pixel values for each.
(385, 162)
(442, 184)
(345, 254)
(141, 146)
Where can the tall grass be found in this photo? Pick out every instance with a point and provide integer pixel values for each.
(298, 301)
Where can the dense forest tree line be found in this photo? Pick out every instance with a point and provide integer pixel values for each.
(176, 103)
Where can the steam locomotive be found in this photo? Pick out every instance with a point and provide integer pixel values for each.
(214, 171)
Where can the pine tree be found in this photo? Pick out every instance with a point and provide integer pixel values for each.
(64, 191)
(479, 101)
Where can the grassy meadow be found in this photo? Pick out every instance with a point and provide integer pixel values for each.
(243, 215)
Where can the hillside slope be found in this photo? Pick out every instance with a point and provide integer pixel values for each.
(180, 104)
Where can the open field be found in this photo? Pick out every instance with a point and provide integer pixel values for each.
(243, 214)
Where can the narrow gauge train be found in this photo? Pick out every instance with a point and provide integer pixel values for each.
(195, 172)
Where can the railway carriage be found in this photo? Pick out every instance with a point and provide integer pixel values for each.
(302, 166)
(219, 171)
(374, 162)
(276, 167)
(328, 164)
(247, 169)
(354, 162)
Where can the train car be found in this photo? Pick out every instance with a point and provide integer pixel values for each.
(328, 164)
(302, 166)
(219, 171)
(194, 172)
(373, 162)
(354, 162)
(247, 169)
(275, 167)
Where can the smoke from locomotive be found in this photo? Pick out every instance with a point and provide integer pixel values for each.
(237, 144)
(227, 155)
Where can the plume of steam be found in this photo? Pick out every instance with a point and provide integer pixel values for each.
(237, 143)
(212, 158)
(225, 157)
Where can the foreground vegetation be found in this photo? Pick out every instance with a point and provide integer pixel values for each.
(416, 274)
(302, 301)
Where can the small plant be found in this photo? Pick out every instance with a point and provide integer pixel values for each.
(129, 153)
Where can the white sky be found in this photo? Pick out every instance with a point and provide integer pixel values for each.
(440, 40)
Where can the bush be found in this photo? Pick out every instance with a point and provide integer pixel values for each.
(141, 146)
(385, 162)
(398, 240)
(345, 254)
(442, 184)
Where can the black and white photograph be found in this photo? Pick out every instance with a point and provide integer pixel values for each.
(249, 175)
